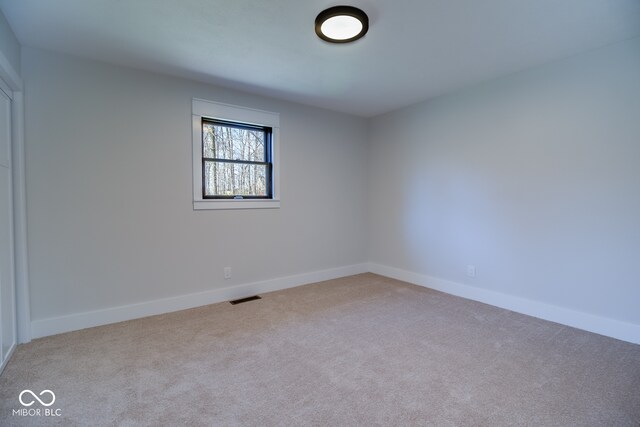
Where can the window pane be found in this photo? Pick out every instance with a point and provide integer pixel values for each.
(234, 179)
(228, 142)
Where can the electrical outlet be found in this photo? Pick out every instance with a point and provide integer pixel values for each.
(471, 270)
(227, 272)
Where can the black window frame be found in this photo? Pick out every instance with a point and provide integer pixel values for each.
(268, 160)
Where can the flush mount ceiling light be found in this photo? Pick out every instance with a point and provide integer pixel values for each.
(342, 24)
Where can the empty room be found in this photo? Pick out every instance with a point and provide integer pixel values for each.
(313, 213)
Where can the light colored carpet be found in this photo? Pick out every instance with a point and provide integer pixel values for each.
(362, 350)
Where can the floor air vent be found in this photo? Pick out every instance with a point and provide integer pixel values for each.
(247, 299)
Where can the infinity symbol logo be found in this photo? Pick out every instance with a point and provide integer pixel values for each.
(29, 403)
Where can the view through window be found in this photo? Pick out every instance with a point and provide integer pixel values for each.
(236, 160)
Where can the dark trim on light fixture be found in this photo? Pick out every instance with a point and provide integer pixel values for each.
(342, 11)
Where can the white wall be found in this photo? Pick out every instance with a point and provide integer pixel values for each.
(533, 178)
(9, 46)
(108, 154)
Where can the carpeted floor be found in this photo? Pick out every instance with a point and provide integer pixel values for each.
(362, 350)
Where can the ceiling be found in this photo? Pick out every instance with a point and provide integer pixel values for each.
(415, 49)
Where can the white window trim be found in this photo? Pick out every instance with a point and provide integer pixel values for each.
(216, 110)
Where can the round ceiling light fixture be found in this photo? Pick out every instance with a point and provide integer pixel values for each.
(342, 24)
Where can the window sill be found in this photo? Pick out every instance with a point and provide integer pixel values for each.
(235, 204)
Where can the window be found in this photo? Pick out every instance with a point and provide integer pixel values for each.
(235, 157)
(236, 160)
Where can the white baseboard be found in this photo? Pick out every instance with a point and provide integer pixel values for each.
(601, 325)
(9, 354)
(73, 322)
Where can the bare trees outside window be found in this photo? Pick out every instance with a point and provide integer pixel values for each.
(236, 160)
